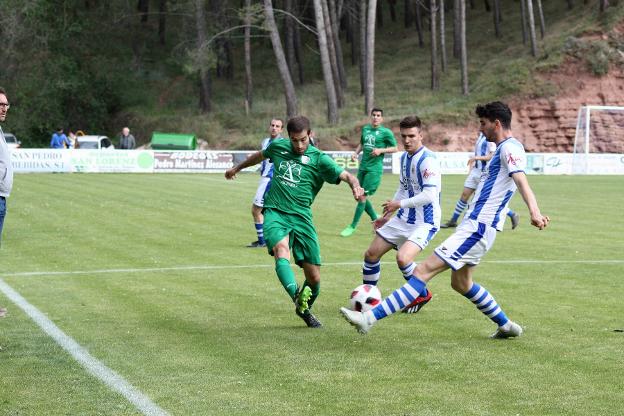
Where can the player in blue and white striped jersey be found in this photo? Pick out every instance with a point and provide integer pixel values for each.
(417, 221)
(266, 173)
(463, 250)
(477, 164)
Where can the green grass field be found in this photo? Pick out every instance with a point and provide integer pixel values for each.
(150, 275)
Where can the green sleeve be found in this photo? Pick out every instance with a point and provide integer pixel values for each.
(266, 153)
(329, 170)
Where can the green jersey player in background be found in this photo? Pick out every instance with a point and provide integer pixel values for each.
(375, 141)
(299, 172)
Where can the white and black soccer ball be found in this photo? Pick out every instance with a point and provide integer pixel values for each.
(365, 297)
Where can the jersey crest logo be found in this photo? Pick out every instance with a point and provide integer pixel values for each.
(369, 140)
(513, 160)
(305, 159)
(290, 171)
(428, 174)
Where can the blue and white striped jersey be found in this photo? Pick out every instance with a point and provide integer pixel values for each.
(490, 203)
(418, 171)
(483, 148)
(266, 168)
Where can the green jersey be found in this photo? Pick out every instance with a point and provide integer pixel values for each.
(374, 138)
(297, 178)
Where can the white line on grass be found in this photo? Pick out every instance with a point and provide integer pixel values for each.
(91, 364)
(270, 265)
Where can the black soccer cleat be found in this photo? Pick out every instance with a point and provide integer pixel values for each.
(515, 220)
(309, 319)
(449, 224)
(256, 244)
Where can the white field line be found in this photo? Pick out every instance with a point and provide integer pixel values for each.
(109, 377)
(271, 265)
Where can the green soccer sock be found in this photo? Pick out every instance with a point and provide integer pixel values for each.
(286, 276)
(316, 289)
(359, 210)
(370, 210)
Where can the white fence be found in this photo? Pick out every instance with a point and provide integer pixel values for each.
(151, 161)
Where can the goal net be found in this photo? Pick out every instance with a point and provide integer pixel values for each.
(599, 130)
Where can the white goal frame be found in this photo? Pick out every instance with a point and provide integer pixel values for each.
(580, 155)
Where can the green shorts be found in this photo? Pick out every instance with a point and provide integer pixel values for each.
(369, 181)
(302, 239)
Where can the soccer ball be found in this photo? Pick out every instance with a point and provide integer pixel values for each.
(365, 297)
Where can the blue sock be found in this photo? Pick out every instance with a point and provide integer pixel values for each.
(407, 270)
(486, 304)
(400, 298)
(510, 213)
(260, 232)
(459, 208)
(371, 271)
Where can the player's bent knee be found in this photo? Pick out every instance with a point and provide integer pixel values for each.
(403, 259)
(460, 286)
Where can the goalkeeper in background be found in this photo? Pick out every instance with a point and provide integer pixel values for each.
(299, 172)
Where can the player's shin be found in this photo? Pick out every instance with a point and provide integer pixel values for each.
(486, 304)
(368, 207)
(359, 210)
(286, 276)
(316, 290)
(399, 299)
(371, 271)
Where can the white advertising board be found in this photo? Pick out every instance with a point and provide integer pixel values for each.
(149, 161)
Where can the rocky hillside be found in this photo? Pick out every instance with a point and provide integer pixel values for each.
(549, 124)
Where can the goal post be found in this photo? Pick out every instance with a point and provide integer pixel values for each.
(599, 129)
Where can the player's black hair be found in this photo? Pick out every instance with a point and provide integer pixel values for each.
(298, 124)
(376, 109)
(495, 110)
(409, 122)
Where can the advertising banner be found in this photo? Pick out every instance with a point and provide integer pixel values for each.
(192, 161)
(343, 159)
(209, 161)
(110, 161)
(605, 164)
(557, 163)
(452, 162)
(40, 160)
(535, 163)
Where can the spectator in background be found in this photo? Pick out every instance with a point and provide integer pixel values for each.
(72, 139)
(59, 140)
(126, 140)
(6, 169)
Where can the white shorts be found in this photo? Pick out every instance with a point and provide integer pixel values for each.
(262, 189)
(467, 245)
(473, 179)
(397, 232)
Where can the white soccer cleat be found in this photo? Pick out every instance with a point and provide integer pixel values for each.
(357, 319)
(514, 330)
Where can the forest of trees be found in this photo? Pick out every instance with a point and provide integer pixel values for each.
(73, 62)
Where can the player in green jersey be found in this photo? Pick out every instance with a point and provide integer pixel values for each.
(299, 172)
(376, 140)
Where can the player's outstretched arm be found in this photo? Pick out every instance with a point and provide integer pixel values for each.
(358, 191)
(254, 159)
(356, 152)
(381, 151)
(537, 219)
